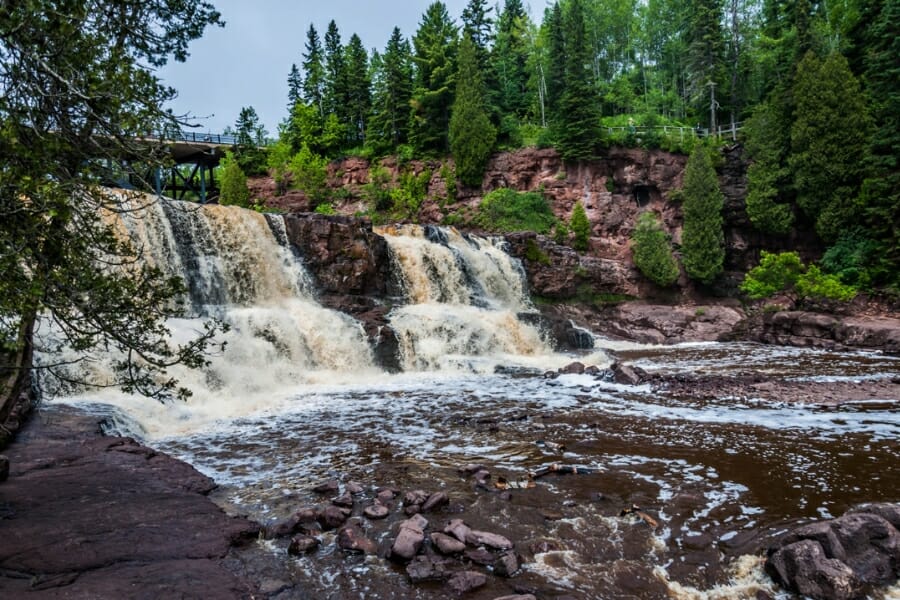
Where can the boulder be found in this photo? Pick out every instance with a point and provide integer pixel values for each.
(447, 544)
(426, 568)
(376, 511)
(408, 541)
(458, 529)
(627, 374)
(517, 597)
(415, 497)
(802, 567)
(435, 501)
(575, 368)
(302, 544)
(463, 582)
(480, 556)
(354, 488)
(327, 487)
(506, 564)
(333, 517)
(491, 540)
(353, 539)
(345, 500)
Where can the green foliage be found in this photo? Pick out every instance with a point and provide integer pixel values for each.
(852, 258)
(702, 240)
(326, 208)
(377, 191)
(828, 143)
(652, 252)
(533, 253)
(309, 174)
(507, 210)
(775, 273)
(449, 177)
(580, 227)
(234, 190)
(561, 233)
(392, 83)
(768, 177)
(408, 196)
(435, 59)
(314, 67)
(250, 137)
(358, 92)
(471, 134)
(278, 161)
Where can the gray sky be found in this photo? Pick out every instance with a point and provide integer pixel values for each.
(247, 62)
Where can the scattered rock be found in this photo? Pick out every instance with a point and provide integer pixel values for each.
(802, 567)
(480, 556)
(4, 468)
(517, 597)
(415, 497)
(466, 581)
(542, 546)
(327, 487)
(333, 517)
(471, 469)
(385, 497)
(435, 501)
(353, 539)
(575, 368)
(302, 544)
(354, 488)
(506, 564)
(628, 374)
(425, 568)
(409, 540)
(482, 476)
(458, 529)
(447, 544)
(416, 521)
(413, 509)
(376, 511)
(491, 540)
(345, 500)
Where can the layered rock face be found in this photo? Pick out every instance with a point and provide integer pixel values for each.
(798, 328)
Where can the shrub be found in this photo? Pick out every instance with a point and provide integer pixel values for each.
(817, 285)
(310, 175)
(508, 210)
(652, 252)
(580, 226)
(234, 190)
(561, 233)
(534, 253)
(850, 258)
(786, 273)
(326, 208)
(378, 191)
(407, 198)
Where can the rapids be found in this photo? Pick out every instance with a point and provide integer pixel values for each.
(295, 398)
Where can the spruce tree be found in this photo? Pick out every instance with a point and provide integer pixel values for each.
(580, 227)
(556, 61)
(702, 239)
(233, 183)
(435, 59)
(706, 54)
(314, 67)
(471, 134)
(389, 122)
(359, 89)
(335, 96)
(828, 142)
(510, 60)
(478, 25)
(767, 137)
(578, 124)
(652, 252)
(295, 87)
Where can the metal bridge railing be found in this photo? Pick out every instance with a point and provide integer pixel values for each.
(203, 138)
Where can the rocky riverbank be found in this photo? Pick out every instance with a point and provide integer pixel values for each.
(88, 516)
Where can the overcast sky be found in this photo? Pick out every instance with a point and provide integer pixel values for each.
(247, 62)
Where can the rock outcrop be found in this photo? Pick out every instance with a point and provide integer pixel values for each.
(819, 330)
(842, 558)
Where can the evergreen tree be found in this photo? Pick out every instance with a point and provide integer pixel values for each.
(359, 89)
(706, 54)
(828, 143)
(767, 137)
(702, 239)
(389, 123)
(335, 96)
(233, 183)
(578, 123)
(580, 227)
(471, 134)
(652, 252)
(556, 61)
(249, 135)
(510, 61)
(435, 60)
(314, 67)
(295, 87)
(478, 25)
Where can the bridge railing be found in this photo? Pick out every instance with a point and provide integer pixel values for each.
(203, 138)
(675, 132)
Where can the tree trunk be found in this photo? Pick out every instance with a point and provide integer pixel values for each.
(16, 375)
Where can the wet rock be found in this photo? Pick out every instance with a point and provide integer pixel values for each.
(593, 370)
(491, 540)
(4, 468)
(413, 509)
(872, 547)
(482, 476)
(550, 515)
(458, 529)
(327, 487)
(543, 546)
(333, 517)
(302, 544)
(409, 539)
(575, 368)
(471, 469)
(506, 564)
(415, 497)
(435, 501)
(517, 597)
(385, 497)
(345, 500)
(353, 539)
(463, 582)
(627, 374)
(425, 568)
(480, 556)
(447, 544)
(354, 488)
(888, 512)
(376, 511)
(802, 567)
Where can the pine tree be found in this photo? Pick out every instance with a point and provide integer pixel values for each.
(706, 54)
(389, 123)
(767, 137)
(471, 134)
(510, 64)
(435, 58)
(578, 123)
(313, 66)
(359, 89)
(478, 25)
(556, 61)
(828, 143)
(335, 96)
(249, 136)
(580, 227)
(652, 252)
(702, 239)
(295, 87)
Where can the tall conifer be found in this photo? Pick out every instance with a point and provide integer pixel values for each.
(471, 133)
(702, 239)
(578, 125)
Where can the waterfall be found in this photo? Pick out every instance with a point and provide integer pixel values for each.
(464, 296)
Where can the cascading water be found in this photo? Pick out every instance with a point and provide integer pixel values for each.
(465, 295)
